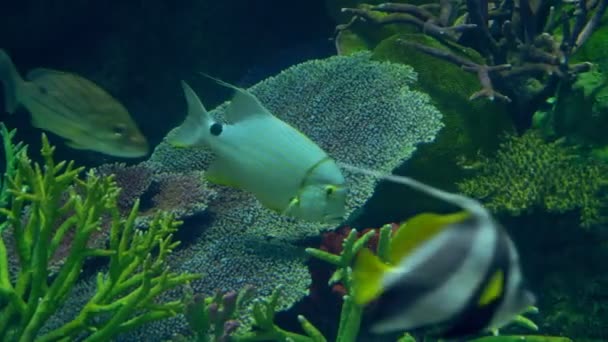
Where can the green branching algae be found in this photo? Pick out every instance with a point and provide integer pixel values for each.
(12, 153)
(529, 173)
(49, 202)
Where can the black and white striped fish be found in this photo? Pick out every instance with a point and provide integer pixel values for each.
(458, 273)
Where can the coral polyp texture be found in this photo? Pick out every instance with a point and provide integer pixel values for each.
(184, 194)
(529, 173)
(133, 181)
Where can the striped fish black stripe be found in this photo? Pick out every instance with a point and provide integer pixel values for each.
(428, 275)
(474, 317)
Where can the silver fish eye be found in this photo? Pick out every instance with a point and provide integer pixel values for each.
(216, 129)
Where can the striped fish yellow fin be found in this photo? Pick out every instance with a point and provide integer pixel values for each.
(493, 289)
(368, 272)
(419, 229)
(243, 105)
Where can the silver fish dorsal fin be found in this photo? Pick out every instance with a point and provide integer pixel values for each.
(244, 105)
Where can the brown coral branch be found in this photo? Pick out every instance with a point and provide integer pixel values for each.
(580, 67)
(591, 25)
(550, 23)
(346, 26)
(531, 53)
(446, 12)
(591, 4)
(478, 14)
(339, 32)
(414, 10)
(528, 21)
(428, 27)
(439, 53)
(505, 33)
(510, 39)
(580, 19)
(483, 71)
(483, 74)
(547, 69)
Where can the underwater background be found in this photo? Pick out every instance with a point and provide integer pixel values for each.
(502, 101)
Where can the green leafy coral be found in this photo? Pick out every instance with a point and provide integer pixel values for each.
(528, 173)
(51, 202)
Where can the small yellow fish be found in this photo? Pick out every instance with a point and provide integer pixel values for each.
(74, 108)
(458, 274)
(257, 152)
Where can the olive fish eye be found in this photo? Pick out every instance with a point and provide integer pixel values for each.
(119, 130)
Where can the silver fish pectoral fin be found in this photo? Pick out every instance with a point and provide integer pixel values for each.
(293, 204)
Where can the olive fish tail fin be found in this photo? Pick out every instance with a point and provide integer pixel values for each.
(368, 272)
(11, 81)
(195, 128)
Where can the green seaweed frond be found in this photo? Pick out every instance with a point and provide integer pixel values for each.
(12, 153)
(528, 172)
(52, 204)
(264, 311)
(351, 314)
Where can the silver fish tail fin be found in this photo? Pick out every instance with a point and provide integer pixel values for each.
(11, 81)
(195, 128)
(458, 200)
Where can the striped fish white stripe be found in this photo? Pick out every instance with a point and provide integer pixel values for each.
(450, 296)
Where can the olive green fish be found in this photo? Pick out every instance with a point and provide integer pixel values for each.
(74, 108)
